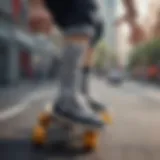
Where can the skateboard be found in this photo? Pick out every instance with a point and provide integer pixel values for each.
(69, 134)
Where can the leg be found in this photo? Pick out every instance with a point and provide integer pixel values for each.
(78, 28)
(86, 69)
(70, 104)
(87, 65)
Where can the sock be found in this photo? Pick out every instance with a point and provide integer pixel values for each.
(85, 79)
(70, 70)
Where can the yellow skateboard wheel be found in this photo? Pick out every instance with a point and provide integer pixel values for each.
(90, 140)
(107, 118)
(39, 136)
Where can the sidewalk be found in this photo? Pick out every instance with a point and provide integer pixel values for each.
(149, 83)
(12, 95)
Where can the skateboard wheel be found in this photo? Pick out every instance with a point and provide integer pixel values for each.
(90, 140)
(39, 135)
(45, 119)
(107, 118)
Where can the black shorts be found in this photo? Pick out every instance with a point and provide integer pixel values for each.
(73, 13)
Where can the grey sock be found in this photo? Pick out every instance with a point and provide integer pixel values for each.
(85, 79)
(70, 69)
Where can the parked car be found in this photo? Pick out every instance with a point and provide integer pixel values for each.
(115, 76)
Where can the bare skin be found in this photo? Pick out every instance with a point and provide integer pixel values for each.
(88, 58)
(39, 18)
(131, 11)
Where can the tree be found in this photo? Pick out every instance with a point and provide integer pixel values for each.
(146, 54)
(101, 54)
(104, 56)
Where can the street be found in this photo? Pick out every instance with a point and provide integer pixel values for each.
(134, 133)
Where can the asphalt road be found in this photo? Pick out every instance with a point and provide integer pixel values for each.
(133, 135)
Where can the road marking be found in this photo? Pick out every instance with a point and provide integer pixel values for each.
(23, 105)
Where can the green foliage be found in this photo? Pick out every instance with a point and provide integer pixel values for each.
(146, 54)
(103, 55)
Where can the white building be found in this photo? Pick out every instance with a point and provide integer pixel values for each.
(111, 7)
(123, 46)
(108, 10)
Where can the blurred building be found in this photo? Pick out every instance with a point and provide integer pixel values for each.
(153, 19)
(109, 7)
(123, 46)
(17, 43)
(107, 10)
(110, 11)
(129, 35)
(13, 20)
